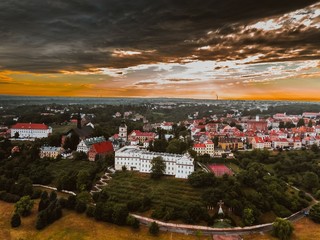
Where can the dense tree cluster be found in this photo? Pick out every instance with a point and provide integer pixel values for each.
(50, 210)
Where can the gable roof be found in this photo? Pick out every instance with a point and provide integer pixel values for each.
(103, 147)
(30, 126)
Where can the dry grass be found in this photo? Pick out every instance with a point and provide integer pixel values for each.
(74, 226)
(304, 229)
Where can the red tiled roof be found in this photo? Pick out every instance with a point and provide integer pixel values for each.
(142, 134)
(103, 147)
(199, 145)
(30, 126)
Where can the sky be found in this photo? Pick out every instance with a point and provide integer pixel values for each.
(226, 49)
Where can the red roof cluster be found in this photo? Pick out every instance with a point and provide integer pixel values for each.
(30, 126)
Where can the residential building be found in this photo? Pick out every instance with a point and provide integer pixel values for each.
(50, 152)
(30, 130)
(141, 136)
(136, 159)
(206, 147)
(100, 150)
(85, 144)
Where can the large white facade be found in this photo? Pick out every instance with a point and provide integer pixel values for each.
(31, 130)
(135, 159)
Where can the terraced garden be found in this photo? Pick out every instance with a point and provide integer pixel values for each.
(126, 186)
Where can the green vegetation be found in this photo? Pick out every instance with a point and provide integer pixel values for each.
(158, 167)
(154, 229)
(282, 229)
(314, 213)
(15, 220)
(24, 206)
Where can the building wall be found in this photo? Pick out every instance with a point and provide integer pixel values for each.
(31, 133)
(180, 166)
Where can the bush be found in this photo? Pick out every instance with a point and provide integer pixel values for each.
(9, 197)
(15, 220)
(36, 194)
(90, 211)
(80, 207)
(154, 228)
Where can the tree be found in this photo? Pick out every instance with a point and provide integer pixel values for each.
(310, 123)
(24, 206)
(15, 220)
(154, 228)
(282, 228)
(120, 214)
(314, 213)
(158, 167)
(248, 217)
(300, 122)
(16, 135)
(310, 180)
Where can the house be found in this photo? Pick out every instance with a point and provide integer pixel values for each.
(141, 136)
(85, 144)
(30, 130)
(230, 144)
(206, 147)
(100, 150)
(166, 126)
(136, 159)
(50, 152)
(310, 114)
(257, 143)
(280, 143)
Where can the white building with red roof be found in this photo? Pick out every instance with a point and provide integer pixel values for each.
(141, 137)
(30, 130)
(206, 147)
(166, 126)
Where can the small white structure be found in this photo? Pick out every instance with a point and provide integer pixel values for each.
(135, 159)
(30, 130)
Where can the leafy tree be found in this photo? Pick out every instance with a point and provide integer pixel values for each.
(310, 180)
(300, 122)
(160, 145)
(53, 196)
(133, 222)
(158, 167)
(310, 123)
(282, 228)
(16, 135)
(314, 213)
(42, 220)
(248, 217)
(154, 228)
(24, 206)
(120, 214)
(15, 220)
(83, 180)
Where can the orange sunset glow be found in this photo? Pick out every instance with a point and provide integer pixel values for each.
(160, 49)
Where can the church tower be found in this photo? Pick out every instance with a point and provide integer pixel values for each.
(123, 131)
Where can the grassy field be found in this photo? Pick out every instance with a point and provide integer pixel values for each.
(57, 128)
(73, 226)
(172, 191)
(304, 229)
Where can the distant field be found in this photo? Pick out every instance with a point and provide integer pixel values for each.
(57, 128)
(174, 192)
(74, 226)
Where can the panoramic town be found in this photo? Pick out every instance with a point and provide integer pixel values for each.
(213, 170)
(162, 119)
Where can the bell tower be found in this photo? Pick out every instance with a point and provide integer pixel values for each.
(123, 131)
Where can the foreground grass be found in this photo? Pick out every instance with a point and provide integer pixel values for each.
(304, 229)
(73, 226)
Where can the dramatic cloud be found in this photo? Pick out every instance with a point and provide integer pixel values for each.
(113, 47)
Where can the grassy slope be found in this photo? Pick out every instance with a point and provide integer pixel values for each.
(168, 190)
(74, 226)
